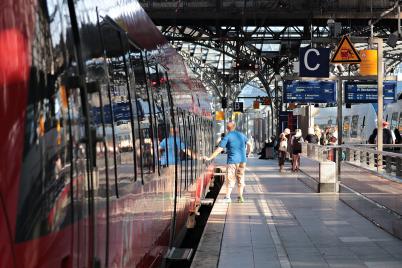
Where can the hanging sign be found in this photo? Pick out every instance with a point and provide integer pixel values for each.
(314, 62)
(256, 104)
(368, 66)
(238, 106)
(219, 115)
(346, 52)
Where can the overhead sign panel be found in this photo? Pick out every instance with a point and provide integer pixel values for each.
(366, 92)
(314, 62)
(309, 91)
(346, 52)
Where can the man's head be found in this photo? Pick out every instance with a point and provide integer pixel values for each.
(172, 131)
(231, 126)
(286, 131)
(385, 124)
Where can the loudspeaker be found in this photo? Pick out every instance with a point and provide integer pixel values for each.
(224, 102)
(392, 39)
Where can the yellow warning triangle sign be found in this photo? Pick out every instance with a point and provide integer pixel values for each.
(346, 52)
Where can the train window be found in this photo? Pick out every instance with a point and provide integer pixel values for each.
(145, 118)
(394, 120)
(162, 126)
(182, 164)
(346, 126)
(400, 122)
(355, 126)
(53, 155)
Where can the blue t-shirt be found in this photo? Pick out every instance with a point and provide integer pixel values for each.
(169, 153)
(235, 143)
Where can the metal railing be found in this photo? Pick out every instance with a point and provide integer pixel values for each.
(363, 155)
(366, 156)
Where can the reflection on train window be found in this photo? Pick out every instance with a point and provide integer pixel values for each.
(346, 126)
(145, 118)
(53, 156)
(394, 120)
(355, 126)
(122, 120)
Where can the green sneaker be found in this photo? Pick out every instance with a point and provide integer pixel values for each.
(240, 199)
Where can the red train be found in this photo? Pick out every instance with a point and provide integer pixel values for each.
(89, 90)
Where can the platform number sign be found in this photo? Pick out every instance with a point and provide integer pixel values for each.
(314, 62)
(238, 107)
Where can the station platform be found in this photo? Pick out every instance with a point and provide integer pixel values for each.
(283, 223)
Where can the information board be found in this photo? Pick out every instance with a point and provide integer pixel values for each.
(309, 91)
(366, 92)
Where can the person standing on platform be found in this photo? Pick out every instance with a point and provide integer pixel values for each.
(318, 133)
(388, 137)
(311, 136)
(373, 136)
(235, 144)
(283, 148)
(297, 139)
(398, 137)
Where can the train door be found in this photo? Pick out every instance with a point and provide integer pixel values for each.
(394, 121)
(346, 126)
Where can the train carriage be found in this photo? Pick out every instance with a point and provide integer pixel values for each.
(89, 91)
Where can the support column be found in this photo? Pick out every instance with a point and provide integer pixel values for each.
(340, 126)
(380, 103)
(277, 105)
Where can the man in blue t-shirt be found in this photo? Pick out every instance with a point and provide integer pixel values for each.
(235, 144)
(170, 156)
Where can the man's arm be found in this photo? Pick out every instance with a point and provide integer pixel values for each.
(248, 150)
(214, 154)
(162, 146)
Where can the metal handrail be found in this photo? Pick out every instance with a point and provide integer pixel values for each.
(363, 156)
(385, 153)
(369, 158)
(374, 145)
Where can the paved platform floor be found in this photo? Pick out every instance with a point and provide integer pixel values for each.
(283, 224)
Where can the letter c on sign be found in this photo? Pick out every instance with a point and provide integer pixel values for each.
(306, 59)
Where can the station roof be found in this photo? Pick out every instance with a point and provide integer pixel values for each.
(220, 35)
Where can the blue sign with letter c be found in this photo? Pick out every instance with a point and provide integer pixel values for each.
(314, 62)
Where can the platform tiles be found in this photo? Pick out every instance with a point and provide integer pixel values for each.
(283, 224)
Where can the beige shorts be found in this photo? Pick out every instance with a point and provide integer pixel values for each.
(235, 172)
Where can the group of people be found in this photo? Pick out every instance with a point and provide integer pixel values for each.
(291, 144)
(388, 136)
